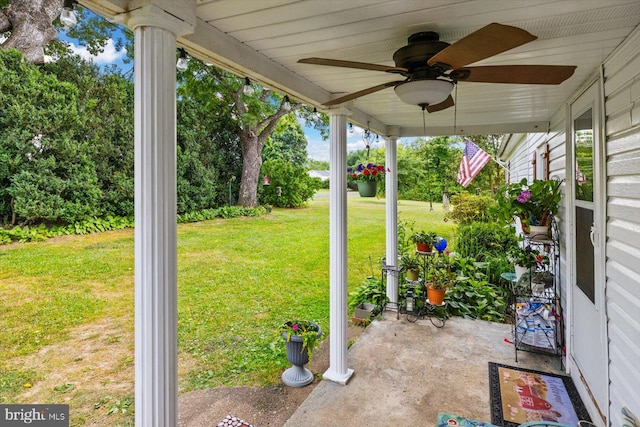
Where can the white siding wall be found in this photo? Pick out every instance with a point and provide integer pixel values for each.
(622, 109)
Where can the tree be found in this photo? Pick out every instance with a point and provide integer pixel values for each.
(105, 102)
(30, 23)
(255, 115)
(492, 175)
(287, 142)
(47, 173)
(33, 29)
(317, 164)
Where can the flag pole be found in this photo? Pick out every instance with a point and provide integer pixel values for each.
(499, 163)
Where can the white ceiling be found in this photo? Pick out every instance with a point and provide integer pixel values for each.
(264, 39)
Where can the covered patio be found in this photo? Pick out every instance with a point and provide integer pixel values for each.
(264, 40)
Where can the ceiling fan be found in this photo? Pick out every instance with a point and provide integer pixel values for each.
(431, 67)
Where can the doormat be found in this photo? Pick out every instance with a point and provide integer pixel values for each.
(522, 395)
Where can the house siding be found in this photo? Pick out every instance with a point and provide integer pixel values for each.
(519, 157)
(622, 139)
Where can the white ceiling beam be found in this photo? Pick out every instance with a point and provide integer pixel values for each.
(209, 44)
(523, 127)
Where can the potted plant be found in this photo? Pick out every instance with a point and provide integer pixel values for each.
(300, 338)
(411, 265)
(544, 277)
(535, 204)
(424, 240)
(368, 298)
(526, 259)
(443, 277)
(367, 177)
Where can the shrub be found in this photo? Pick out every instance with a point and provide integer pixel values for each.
(290, 185)
(98, 225)
(372, 291)
(469, 208)
(478, 299)
(483, 240)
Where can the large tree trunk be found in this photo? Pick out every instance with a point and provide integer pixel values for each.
(251, 164)
(252, 140)
(30, 23)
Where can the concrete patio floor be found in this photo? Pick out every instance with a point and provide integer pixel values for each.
(406, 373)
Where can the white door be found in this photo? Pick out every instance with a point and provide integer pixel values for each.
(588, 347)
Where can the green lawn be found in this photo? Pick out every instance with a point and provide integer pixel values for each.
(238, 280)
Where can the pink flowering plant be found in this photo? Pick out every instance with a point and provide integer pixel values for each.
(369, 172)
(306, 330)
(534, 203)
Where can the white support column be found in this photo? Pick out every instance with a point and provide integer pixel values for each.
(391, 203)
(338, 370)
(156, 349)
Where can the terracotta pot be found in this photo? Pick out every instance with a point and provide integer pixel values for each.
(423, 247)
(435, 296)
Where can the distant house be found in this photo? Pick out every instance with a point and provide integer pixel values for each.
(322, 174)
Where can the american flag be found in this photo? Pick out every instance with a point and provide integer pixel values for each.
(473, 160)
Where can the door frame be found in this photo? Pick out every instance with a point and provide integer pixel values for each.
(599, 211)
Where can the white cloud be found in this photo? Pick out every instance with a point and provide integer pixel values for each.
(109, 54)
(318, 149)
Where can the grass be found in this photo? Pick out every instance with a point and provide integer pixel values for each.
(238, 280)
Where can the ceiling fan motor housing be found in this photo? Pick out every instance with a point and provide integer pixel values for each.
(420, 47)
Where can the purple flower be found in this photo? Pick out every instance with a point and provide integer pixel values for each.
(526, 194)
(370, 165)
(521, 199)
(360, 167)
(350, 170)
(295, 327)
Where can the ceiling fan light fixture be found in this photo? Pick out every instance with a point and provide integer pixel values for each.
(424, 92)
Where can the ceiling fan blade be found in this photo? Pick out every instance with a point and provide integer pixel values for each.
(484, 43)
(523, 74)
(352, 64)
(360, 93)
(442, 106)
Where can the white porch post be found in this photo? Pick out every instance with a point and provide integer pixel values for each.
(338, 371)
(391, 203)
(156, 382)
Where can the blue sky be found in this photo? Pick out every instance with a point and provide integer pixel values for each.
(318, 149)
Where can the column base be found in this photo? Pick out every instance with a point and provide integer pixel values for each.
(336, 377)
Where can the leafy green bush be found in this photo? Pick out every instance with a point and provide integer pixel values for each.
(290, 185)
(469, 208)
(108, 223)
(372, 291)
(222, 212)
(483, 240)
(478, 299)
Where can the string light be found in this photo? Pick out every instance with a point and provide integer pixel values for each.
(286, 104)
(182, 63)
(67, 15)
(247, 89)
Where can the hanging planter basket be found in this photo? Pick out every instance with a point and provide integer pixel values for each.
(368, 188)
